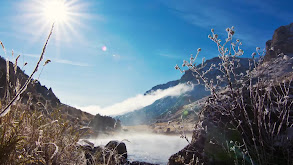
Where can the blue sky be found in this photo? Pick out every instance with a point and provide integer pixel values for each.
(144, 40)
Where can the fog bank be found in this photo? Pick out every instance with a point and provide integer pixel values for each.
(137, 102)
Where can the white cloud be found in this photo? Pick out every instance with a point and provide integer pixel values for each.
(60, 61)
(168, 55)
(137, 102)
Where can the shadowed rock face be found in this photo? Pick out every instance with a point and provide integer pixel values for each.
(117, 146)
(36, 89)
(282, 42)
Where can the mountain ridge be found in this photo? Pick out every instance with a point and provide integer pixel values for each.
(38, 96)
(162, 108)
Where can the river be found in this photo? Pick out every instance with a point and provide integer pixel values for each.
(152, 148)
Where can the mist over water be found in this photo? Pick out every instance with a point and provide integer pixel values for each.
(147, 147)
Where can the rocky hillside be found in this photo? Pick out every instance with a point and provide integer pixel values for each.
(164, 109)
(281, 42)
(39, 97)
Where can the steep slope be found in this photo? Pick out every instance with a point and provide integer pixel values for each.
(163, 109)
(37, 96)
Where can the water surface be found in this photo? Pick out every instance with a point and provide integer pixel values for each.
(152, 148)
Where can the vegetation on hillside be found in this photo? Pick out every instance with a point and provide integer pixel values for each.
(105, 124)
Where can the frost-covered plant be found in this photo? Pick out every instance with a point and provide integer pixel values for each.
(254, 114)
(19, 89)
(34, 137)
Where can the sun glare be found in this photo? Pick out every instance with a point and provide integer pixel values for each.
(68, 17)
(55, 10)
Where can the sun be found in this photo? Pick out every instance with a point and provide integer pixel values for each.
(68, 17)
(56, 11)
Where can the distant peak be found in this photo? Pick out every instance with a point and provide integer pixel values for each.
(282, 42)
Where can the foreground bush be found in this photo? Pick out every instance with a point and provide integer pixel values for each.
(31, 137)
(248, 117)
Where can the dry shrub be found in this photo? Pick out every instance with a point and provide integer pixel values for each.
(250, 116)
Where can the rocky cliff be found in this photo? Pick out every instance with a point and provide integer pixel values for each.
(282, 42)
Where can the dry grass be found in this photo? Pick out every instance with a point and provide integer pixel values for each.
(31, 137)
(34, 137)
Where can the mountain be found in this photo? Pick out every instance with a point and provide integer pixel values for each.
(164, 109)
(163, 86)
(38, 97)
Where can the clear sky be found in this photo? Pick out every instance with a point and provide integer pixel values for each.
(111, 50)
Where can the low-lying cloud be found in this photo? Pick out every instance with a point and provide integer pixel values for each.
(137, 102)
(60, 61)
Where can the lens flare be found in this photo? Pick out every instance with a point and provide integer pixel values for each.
(104, 48)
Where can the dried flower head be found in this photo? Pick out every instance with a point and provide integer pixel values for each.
(191, 58)
(47, 62)
(1, 43)
(232, 32)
